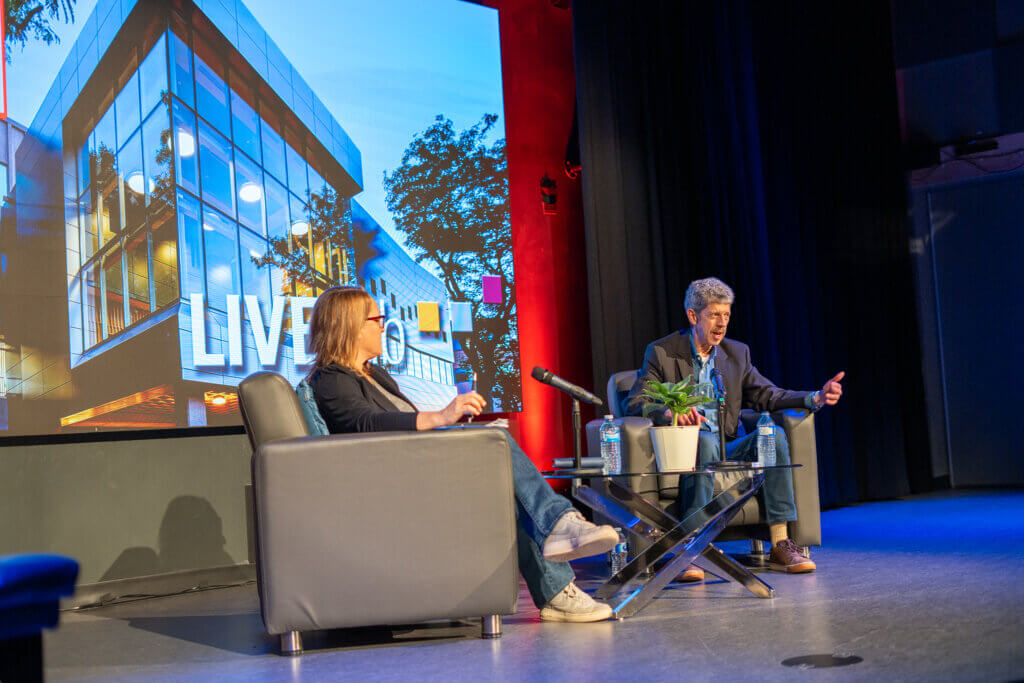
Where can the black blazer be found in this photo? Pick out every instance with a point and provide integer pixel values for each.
(349, 403)
(670, 359)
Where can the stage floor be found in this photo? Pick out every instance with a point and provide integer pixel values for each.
(927, 588)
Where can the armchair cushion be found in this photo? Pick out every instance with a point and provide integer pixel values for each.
(618, 388)
(314, 420)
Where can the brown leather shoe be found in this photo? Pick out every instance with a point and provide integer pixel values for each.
(691, 574)
(786, 557)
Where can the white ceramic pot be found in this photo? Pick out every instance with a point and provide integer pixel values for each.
(675, 448)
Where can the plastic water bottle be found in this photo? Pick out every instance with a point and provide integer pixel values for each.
(618, 555)
(765, 441)
(611, 453)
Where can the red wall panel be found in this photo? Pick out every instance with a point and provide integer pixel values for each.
(550, 262)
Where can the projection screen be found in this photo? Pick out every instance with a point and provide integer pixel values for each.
(184, 178)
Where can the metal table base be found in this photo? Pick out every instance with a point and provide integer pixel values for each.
(630, 590)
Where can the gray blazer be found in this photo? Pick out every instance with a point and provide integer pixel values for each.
(670, 359)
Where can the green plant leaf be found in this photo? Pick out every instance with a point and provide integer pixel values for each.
(678, 397)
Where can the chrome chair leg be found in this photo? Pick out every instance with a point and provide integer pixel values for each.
(490, 626)
(291, 643)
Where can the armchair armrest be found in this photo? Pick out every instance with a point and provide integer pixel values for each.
(635, 447)
(803, 450)
(384, 528)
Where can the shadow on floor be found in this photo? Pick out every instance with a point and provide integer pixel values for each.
(243, 633)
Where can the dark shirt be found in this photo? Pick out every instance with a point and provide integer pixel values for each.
(350, 403)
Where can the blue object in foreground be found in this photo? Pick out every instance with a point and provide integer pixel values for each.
(31, 587)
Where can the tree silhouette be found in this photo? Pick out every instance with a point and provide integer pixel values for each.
(449, 198)
(25, 18)
(330, 223)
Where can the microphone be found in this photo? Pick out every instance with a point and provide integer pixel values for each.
(716, 378)
(580, 394)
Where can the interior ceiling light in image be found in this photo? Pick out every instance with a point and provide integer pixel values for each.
(250, 192)
(186, 144)
(136, 182)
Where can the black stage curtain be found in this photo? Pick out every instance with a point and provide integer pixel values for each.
(759, 143)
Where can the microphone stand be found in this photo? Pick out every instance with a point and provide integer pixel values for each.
(721, 423)
(577, 448)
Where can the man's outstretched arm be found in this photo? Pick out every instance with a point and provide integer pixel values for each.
(760, 393)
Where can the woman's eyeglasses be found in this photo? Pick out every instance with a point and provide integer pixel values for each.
(379, 319)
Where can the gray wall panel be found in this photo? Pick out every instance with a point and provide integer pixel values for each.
(129, 508)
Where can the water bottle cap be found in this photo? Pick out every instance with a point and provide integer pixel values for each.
(609, 417)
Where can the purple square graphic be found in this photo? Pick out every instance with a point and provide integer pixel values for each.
(492, 289)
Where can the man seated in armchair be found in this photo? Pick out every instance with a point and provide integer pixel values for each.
(696, 353)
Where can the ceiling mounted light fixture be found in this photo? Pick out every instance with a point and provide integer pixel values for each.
(250, 192)
(186, 144)
(136, 182)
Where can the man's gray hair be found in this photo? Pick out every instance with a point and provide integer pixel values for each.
(710, 290)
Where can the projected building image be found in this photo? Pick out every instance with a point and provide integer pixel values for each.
(208, 197)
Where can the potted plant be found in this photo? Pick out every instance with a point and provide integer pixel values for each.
(675, 446)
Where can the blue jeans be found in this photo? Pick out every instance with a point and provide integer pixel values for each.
(697, 489)
(538, 508)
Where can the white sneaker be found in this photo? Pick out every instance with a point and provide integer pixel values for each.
(572, 604)
(573, 537)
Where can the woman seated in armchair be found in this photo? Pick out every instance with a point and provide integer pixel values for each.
(354, 395)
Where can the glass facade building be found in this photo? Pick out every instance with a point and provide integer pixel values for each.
(182, 187)
(11, 134)
(179, 160)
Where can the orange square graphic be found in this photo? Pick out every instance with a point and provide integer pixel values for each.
(429, 314)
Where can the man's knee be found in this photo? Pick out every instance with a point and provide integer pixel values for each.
(781, 446)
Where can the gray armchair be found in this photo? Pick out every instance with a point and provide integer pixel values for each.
(638, 456)
(373, 529)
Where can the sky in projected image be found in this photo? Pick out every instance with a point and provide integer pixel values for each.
(384, 69)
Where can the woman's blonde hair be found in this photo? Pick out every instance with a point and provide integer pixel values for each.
(338, 316)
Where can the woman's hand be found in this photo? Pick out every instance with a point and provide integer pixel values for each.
(470, 403)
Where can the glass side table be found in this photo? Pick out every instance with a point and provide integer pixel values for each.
(633, 588)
